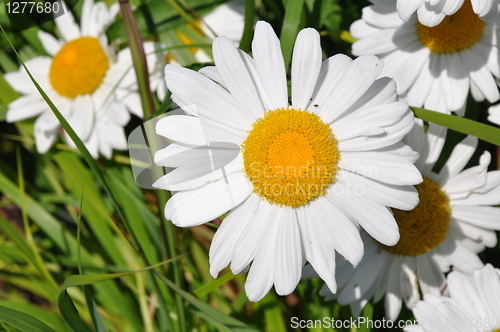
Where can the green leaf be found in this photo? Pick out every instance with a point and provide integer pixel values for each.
(208, 288)
(22, 321)
(66, 305)
(480, 130)
(7, 93)
(290, 28)
(368, 314)
(231, 323)
(246, 39)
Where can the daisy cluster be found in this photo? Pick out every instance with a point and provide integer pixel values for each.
(333, 177)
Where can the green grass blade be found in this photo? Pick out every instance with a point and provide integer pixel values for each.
(211, 286)
(368, 314)
(480, 130)
(70, 313)
(138, 58)
(246, 38)
(22, 321)
(230, 322)
(290, 28)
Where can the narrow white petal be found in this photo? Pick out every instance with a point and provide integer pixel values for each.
(235, 77)
(26, 107)
(374, 218)
(382, 167)
(211, 201)
(224, 241)
(288, 260)
(82, 116)
(209, 99)
(270, 64)
(49, 42)
(306, 65)
(399, 197)
(67, 26)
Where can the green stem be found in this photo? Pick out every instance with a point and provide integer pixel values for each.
(138, 58)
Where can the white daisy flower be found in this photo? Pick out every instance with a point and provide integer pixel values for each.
(288, 188)
(227, 20)
(433, 67)
(452, 223)
(473, 305)
(432, 12)
(82, 76)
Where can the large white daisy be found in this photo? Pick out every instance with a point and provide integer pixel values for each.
(433, 67)
(82, 76)
(473, 305)
(452, 223)
(432, 12)
(304, 169)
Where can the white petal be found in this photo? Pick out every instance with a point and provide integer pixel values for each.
(488, 282)
(211, 201)
(374, 218)
(82, 117)
(251, 238)
(481, 76)
(210, 100)
(458, 159)
(67, 26)
(235, 77)
(382, 167)
(356, 80)
(111, 133)
(459, 256)
(399, 197)
(393, 300)
(318, 246)
(430, 278)
(408, 282)
(306, 65)
(49, 42)
(407, 8)
(44, 139)
(260, 278)
(483, 216)
(224, 241)
(270, 64)
(365, 276)
(454, 81)
(288, 259)
(26, 107)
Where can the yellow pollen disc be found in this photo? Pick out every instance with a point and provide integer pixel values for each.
(455, 33)
(423, 228)
(290, 156)
(79, 67)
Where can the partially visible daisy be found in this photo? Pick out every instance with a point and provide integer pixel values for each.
(432, 12)
(433, 67)
(452, 223)
(227, 20)
(82, 76)
(473, 305)
(288, 189)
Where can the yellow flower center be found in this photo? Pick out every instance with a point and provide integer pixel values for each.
(455, 33)
(79, 67)
(423, 228)
(290, 156)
